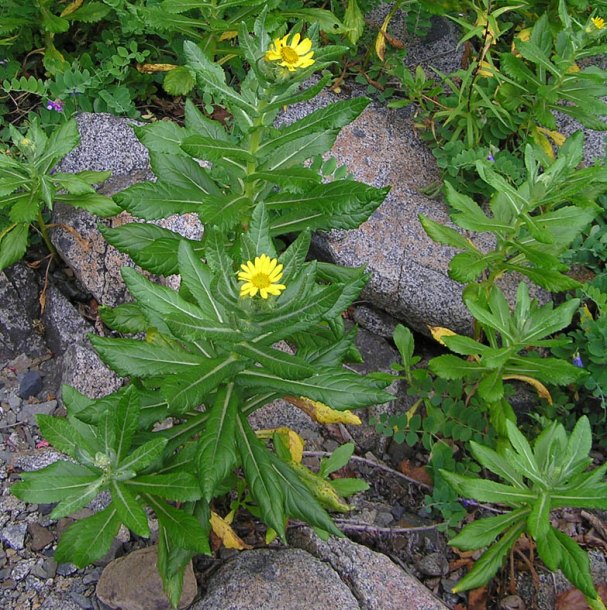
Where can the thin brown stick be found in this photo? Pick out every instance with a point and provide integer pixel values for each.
(346, 525)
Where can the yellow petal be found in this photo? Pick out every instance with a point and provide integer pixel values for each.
(222, 529)
(322, 413)
(295, 40)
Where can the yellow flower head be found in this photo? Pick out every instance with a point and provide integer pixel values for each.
(261, 276)
(291, 55)
(599, 22)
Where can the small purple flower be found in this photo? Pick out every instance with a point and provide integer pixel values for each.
(577, 360)
(491, 158)
(467, 503)
(56, 105)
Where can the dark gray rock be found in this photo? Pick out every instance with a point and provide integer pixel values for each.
(30, 384)
(267, 579)
(17, 334)
(13, 535)
(64, 325)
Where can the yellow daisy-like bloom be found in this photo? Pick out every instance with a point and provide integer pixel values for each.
(599, 22)
(261, 276)
(291, 55)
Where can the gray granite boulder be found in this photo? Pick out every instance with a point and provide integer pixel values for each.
(376, 581)
(266, 579)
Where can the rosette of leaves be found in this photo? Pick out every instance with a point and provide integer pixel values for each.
(552, 474)
(29, 187)
(247, 162)
(208, 360)
(533, 223)
(508, 354)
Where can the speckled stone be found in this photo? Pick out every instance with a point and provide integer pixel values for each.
(376, 582)
(268, 579)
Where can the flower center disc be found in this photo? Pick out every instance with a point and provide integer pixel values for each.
(261, 280)
(289, 55)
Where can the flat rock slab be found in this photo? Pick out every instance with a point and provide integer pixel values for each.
(133, 583)
(269, 579)
(376, 581)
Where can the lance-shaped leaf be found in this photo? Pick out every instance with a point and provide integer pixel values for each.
(259, 232)
(143, 456)
(276, 361)
(172, 563)
(299, 502)
(264, 485)
(332, 117)
(163, 137)
(488, 491)
(89, 539)
(190, 388)
(538, 521)
(82, 498)
(211, 149)
(56, 482)
(177, 486)
(129, 510)
(184, 172)
(217, 455)
(60, 434)
(197, 278)
(125, 421)
(126, 318)
(490, 561)
(211, 76)
(156, 200)
(184, 529)
(194, 329)
(497, 463)
(338, 388)
(131, 357)
(594, 496)
(199, 123)
(483, 532)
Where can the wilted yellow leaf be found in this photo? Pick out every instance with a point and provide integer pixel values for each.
(322, 490)
(71, 7)
(541, 389)
(229, 35)
(438, 332)
(322, 413)
(289, 437)
(222, 529)
(153, 68)
(556, 136)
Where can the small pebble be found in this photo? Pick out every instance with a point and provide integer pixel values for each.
(31, 384)
(82, 601)
(434, 564)
(66, 569)
(13, 535)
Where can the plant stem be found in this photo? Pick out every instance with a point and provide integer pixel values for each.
(45, 236)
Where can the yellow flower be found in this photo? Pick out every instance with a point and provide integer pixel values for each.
(599, 22)
(291, 55)
(261, 276)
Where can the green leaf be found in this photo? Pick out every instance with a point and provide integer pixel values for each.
(172, 563)
(488, 491)
(299, 502)
(71, 504)
(575, 564)
(444, 235)
(179, 81)
(347, 487)
(452, 367)
(217, 455)
(164, 137)
(538, 521)
(264, 485)
(13, 244)
(126, 318)
(183, 529)
(131, 513)
(338, 459)
(276, 361)
(490, 561)
(354, 21)
(483, 532)
(189, 389)
(144, 455)
(496, 463)
(63, 139)
(198, 123)
(91, 12)
(338, 388)
(89, 539)
(56, 482)
(259, 232)
(94, 203)
(211, 149)
(586, 496)
(131, 357)
(211, 77)
(60, 434)
(193, 330)
(125, 420)
(176, 486)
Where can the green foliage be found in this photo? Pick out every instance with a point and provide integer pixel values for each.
(30, 188)
(552, 474)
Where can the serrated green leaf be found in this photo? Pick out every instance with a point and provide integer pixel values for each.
(89, 539)
(179, 81)
(217, 454)
(13, 244)
(60, 434)
(176, 486)
(444, 235)
(125, 421)
(575, 564)
(277, 362)
(126, 318)
(144, 455)
(95, 203)
(488, 491)
(129, 510)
